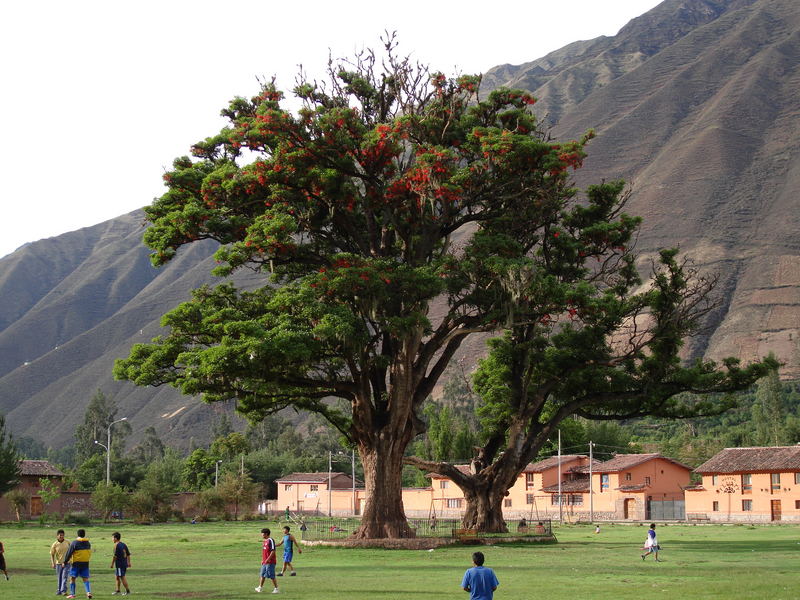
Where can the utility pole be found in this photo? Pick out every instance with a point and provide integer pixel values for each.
(108, 448)
(330, 460)
(560, 498)
(353, 475)
(591, 491)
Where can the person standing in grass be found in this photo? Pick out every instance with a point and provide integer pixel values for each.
(3, 560)
(120, 562)
(479, 581)
(268, 561)
(79, 552)
(288, 542)
(651, 543)
(57, 553)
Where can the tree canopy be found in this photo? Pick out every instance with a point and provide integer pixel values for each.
(9, 460)
(396, 213)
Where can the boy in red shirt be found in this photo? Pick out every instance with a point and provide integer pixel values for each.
(268, 560)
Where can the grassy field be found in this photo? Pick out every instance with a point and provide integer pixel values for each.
(214, 560)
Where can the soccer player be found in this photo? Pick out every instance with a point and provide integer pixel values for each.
(120, 562)
(288, 542)
(479, 581)
(268, 561)
(57, 553)
(79, 552)
(3, 560)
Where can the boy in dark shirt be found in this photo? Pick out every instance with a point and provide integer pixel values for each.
(120, 562)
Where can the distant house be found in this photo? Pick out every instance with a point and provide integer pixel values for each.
(31, 472)
(313, 493)
(629, 486)
(748, 484)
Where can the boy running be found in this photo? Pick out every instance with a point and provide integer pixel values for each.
(57, 553)
(120, 562)
(79, 552)
(288, 543)
(268, 561)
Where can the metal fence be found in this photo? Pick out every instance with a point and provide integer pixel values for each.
(333, 528)
(665, 510)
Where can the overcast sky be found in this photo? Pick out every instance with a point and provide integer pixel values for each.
(99, 96)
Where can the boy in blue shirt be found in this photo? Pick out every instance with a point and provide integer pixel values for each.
(479, 581)
(288, 542)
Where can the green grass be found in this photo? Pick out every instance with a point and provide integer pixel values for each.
(217, 560)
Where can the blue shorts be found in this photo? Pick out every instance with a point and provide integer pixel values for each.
(81, 571)
(120, 571)
(287, 556)
(268, 571)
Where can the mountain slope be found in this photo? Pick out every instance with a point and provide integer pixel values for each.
(694, 103)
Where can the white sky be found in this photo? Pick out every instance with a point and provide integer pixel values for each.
(100, 96)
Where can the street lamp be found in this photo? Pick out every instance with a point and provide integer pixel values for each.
(216, 472)
(107, 446)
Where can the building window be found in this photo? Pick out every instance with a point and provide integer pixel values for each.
(714, 479)
(747, 483)
(797, 504)
(528, 498)
(454, 503)
(715, 506)
(287, 487)
(628, 476)
(569, 499)
(647, 481)
(797, 477)
(776, 482)
(603, 481)
(314, 487)
(443, 484)
(747, 505)
(529, 480)
(507, 502)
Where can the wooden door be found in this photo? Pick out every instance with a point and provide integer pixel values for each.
(628, 507)
(776, 510)
(36, 506)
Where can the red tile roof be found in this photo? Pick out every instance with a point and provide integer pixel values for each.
(338, 480)
(570, 486)
(622, 462)
(551, 462)
(40, 468)
(633, 487)
(749, 460)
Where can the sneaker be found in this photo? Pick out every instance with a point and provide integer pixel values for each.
(258, 589)
(294, 573)
(126, 592)
(643, 555)
(89, 595)
(275, 591)
(71, 596)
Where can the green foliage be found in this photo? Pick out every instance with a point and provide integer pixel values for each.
(9, 461)
(48, 490)
(150, 502)
(151, 447)
(18, 500)
(91, 472)
(100, 413)
(110, 498)
(199, 469)
(230, 446)
(239, 490)
(208, 503)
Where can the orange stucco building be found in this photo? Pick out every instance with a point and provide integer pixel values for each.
(748, 485)
(629, 486)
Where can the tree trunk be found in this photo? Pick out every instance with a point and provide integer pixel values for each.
(383, 515)
(484, 510)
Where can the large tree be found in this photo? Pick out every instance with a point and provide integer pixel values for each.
(380, 214)
(588, 343)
